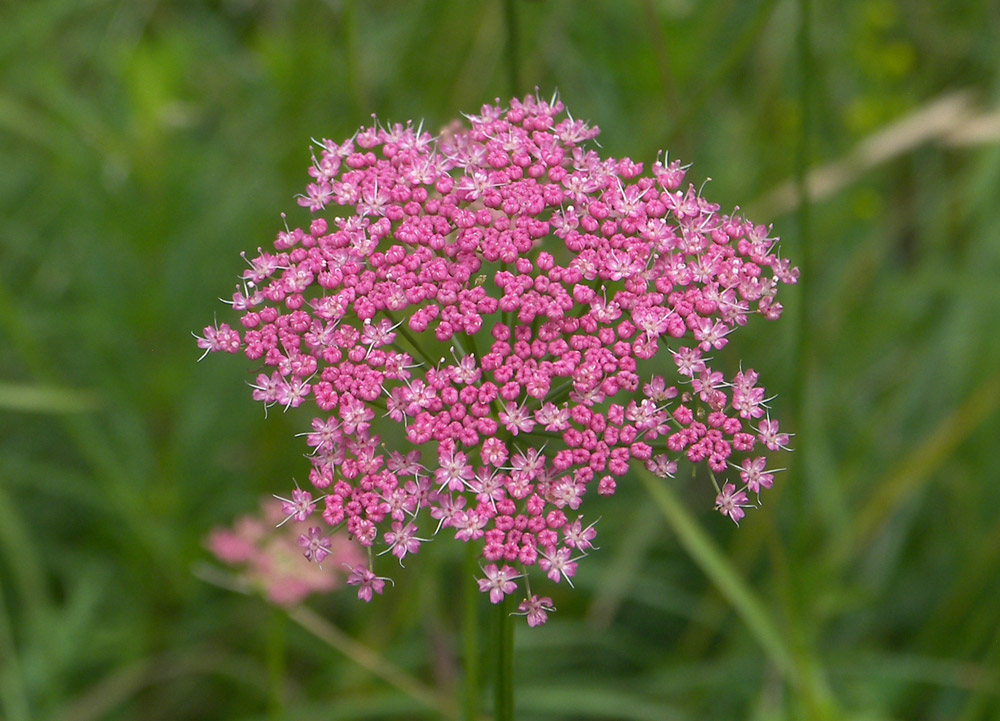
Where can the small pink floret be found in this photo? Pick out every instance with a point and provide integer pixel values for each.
(731, 502)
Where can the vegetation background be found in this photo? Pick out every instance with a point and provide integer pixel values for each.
(144, 144)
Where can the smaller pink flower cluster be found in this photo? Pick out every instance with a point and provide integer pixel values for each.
(271, 561)
(501, 323)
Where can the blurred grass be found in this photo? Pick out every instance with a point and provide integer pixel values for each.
(145, 144)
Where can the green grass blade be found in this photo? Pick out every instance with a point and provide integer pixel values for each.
(46, 399)
(801, 672)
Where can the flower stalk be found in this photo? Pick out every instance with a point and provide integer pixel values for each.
(470, 639)
(504, 655)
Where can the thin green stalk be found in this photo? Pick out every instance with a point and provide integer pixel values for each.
(802, 630)
(470, 635)
(504, 644)
(418, 349)
(806, 311)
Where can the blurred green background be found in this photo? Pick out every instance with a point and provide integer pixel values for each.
(144, 144)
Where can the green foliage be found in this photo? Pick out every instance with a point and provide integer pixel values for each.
(145, 144)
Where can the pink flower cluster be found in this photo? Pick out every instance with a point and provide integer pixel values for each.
(486, 329)
(270, 560)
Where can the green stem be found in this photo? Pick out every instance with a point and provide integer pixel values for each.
(805, 344)
(504, 642)
(418, 349)
(470, 635)
(796, 604)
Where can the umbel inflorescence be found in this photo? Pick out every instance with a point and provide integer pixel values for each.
(493, 323)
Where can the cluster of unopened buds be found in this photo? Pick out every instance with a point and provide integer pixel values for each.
(495, 323)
